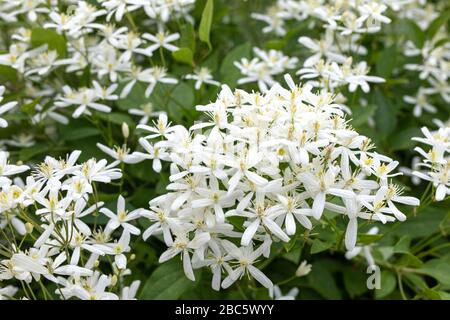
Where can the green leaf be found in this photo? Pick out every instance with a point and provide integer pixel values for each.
(423, 224)
(355, 281)
(438, 269)
(417, 281)
(168, 282)
(7, 73)
(365, 239)
(292, 242)
(384, 115)
(413, 32)
(437, 23)
(184, 55)
(444, 295)
(79, 133)
(228, 71)
(361, 114)
(187, 38)
(321, 279)
(116, 117)
(402, 140)
(28, 153)
(387, 62)
(134, 99)
(402, 245)
(431, 294)
(388, 282)
(409, 260)
(319, 246)
(181, 101)
(275, 44)
(55, 41)
(205, 23)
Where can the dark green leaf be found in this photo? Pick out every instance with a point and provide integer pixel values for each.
(228, 71)
(355, 281)
(409, 260)
(205, 23)
(402, 245)
(187, 38)
(438, 269)
(386, 62)
(319, 246)
(437, 23)
(184, 55)
(388, 283)
(365, 239)
(402, 140)
(321, 279)
(168, 281)
(55, 41)
(79, 133)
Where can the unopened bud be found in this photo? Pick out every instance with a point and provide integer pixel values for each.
(113, 280)
(303, 269)
(29, 227)
(125, 130)
(96, 263)
(132, 257)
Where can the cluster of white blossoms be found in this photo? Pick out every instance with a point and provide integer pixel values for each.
(433, 66)
(435, 163)
(264, 67)
(264, 168)
(50, 232)
(101, 44)
(336, 58)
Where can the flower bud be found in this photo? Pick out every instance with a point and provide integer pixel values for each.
(113, 280)
(96, 263)
(125, 130)
(132, 257)
(303, 269)
(29, 227)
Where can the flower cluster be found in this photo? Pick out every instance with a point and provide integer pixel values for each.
(333, 60)
(264, 67)
(54, 214)
(264, 167)
(336, 59)
(435, 164)
(432, 63)
(84, 42)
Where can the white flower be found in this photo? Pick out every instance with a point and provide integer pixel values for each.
(161, 40)
(303, 269)
(121, 218)
(5, 107)
(129, 293)
(202, 75)
(183, 245)
(420, 103)
(246, 257)
(7, 169)
(145, 111)
(276, 294)
(121, 154)
(7, 292)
